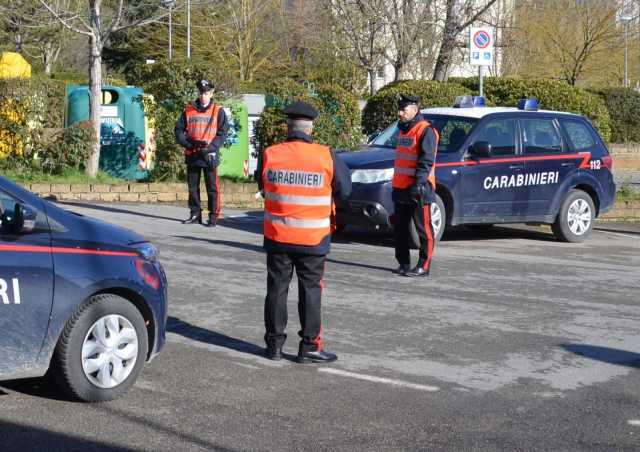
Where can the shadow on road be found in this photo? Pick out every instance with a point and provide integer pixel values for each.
(605, 354)
(19, 437)
(241, 245)
(105, 208)
(196, 333)
(620, 230)
(41, 387)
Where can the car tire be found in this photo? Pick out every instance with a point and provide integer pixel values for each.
(576, 217)
(102, 349)
(438, 221)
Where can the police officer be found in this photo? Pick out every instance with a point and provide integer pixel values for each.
(298, 179)
(414, 185)
(201, 130)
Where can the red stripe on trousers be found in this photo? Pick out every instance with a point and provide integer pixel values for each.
(426, 210)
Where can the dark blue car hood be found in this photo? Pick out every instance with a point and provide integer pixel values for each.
(369, 157)
(71, 226)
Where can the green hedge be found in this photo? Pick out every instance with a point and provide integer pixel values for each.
(381, 109)
(69, 149)
(624, 108)
(338, 122)
(552, 94)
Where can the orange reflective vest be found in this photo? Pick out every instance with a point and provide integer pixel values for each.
(201, 125)
(297, 180)
(407, 150)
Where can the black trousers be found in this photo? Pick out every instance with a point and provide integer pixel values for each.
(212, 184)
(310, 270)
(421, 215)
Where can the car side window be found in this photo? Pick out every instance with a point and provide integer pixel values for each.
(540, 136)
(579, 135)
(8, 206)
(500, 134)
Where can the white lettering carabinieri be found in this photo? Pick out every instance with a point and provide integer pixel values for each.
(295, 178)
(521, 180)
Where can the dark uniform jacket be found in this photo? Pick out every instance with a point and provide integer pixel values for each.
(341, 189)
(180, 132)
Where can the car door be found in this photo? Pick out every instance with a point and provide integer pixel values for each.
(26, 286)
(546, 161)
(488, 184)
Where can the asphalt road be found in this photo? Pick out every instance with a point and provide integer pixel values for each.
(516, 342)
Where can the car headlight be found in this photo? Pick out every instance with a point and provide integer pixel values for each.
(370, 176)
(148, 251)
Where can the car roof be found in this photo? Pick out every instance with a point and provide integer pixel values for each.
(479, 112)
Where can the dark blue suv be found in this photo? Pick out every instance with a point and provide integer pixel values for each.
(80, 298)
(494, 165)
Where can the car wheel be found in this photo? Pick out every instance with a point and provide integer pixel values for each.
(438, 222)
(576, 217)
(101, 350)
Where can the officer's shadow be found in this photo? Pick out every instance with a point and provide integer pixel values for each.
(197, 333)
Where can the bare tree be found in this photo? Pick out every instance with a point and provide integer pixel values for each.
(362, 25)
(460, 14)
(407, 21)
(98, 20)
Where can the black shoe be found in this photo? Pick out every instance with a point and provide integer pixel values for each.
(403, 269)
(418, 271)
(316, 357)
(211, 223)
(193, 218)
(273, 352)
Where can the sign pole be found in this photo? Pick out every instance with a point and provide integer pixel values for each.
(480, 71)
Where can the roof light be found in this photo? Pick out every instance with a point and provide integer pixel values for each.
(463, 102)
(530, 104)
(479, 101)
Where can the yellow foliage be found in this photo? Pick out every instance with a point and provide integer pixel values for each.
(12, 65)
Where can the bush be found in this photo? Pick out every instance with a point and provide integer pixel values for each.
(624, 108)
(381, 109)
(337, 124)
(552, 94)
(69, 149)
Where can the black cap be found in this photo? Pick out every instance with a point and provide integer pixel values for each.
(300, 110)
(204, 85)
(405, 100)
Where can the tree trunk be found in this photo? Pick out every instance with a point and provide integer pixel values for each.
(448, 43)
(95, 86)
(372, 81)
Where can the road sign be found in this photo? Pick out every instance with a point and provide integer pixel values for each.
(481, 46)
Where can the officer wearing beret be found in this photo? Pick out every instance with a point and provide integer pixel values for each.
(202, 130)
(414, 185)
(299, 180)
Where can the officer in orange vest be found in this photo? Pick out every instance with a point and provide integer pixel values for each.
(201, 130)
(298, 179)
(414, 185)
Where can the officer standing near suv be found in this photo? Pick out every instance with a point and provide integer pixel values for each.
(414, 185)
(202, 130)
(298, 179)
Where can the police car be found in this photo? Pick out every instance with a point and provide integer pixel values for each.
(494, 165)
(82, 299)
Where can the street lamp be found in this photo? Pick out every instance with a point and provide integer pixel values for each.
(626, 18)
(169, 4)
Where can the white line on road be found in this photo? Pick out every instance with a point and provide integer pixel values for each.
(617, 233)
(634, 422)
(389, 381)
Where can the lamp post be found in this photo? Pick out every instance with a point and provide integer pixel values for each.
(170, 4)
(189, 29)
(626, 18)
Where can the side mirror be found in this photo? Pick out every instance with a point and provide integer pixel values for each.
(21, 220)
(480, 149)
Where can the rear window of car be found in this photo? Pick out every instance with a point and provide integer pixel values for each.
(580, 137)
(453, 130)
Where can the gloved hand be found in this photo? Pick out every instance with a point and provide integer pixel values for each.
(197, 143)
(212, 158)
(420, 193)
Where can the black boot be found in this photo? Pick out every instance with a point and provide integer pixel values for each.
(212, 222)
(402, 269)
(319, 356)
(418, 271)
(273, 352)
(193, 218)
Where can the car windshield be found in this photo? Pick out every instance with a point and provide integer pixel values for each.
(452, 129)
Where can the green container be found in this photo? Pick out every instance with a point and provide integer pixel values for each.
(122, 131)
(235, 152)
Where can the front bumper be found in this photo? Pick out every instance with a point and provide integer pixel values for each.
(369, 206)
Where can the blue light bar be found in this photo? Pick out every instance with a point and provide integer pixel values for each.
(530, 104)
(479, 101)
(463, 102)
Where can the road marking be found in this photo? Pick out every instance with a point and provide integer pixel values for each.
(634, 422)
(617, 233)
(389, 381)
